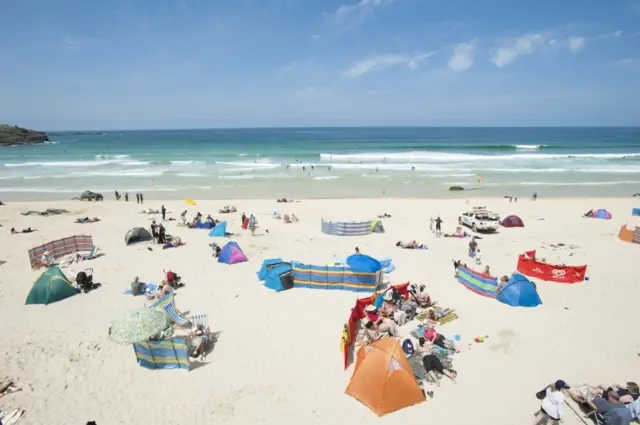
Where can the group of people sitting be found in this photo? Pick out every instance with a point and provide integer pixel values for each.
(171, 282)
(611, 404)
(395, 311)
(227, 209)
(286, 218)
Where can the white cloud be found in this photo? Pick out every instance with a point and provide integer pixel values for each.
(380, 62)
(310, 94)
(625, 63)
(512, 49)
(343, 14)
(315, 36)
(575, 44)
(462, 57)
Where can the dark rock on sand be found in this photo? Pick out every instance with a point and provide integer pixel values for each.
(14, 135)
(453, 188)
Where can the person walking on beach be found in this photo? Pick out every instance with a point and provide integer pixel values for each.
(164, 212)
(126, 197)
(252, 224)
(438, 226)
(535, 196)
(117, 196)
(141, 198)
(137, 198)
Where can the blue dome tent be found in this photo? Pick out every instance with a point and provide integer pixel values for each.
(519, 292)
(360, 263)
(219, 231)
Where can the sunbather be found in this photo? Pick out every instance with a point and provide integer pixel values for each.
(432, 363)
(435, 314)
(201, 336)
(8, 388)
(369, 333)
(27, 230)
(391, 310)
(410, 245)
(420, 295)
(431, 335)
(385, 215)
(176, 242)
(174, 280)
(381, 324)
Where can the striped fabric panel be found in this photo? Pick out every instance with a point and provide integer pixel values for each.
(351, 228)
(478, 283)
(636, 235)
(167, 303)
(59, 248)
(334, 278)
(168, 354)
(199, 319)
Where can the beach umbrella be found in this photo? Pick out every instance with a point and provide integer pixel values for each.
(190, 201)
(138, 325)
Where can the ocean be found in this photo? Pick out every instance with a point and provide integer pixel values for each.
(327, 163)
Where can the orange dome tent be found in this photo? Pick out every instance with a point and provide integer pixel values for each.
(383, 380)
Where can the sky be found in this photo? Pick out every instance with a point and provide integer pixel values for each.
(154, 64)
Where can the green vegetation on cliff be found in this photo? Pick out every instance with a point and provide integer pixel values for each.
(14, 135)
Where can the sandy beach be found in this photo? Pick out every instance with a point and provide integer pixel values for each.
(277, 359)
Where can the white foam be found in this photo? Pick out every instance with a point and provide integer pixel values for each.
(111, 157)
(461, 157)
(326, 177)
(528, 147)
(190, 162)
(190, 175)
(96, 163)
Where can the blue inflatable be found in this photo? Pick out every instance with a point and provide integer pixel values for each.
(361, 263)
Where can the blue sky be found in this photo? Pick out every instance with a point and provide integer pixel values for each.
(128, 64)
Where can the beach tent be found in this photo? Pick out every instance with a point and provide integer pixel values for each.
(266, 265)
(202, 225)
(602, 214)
(219, 231)
(382, 378)
(231, 254)
(512, 221)
(279, 277)
(519, 292)
(360, 263)
(137, 234)
(377, 227)
(635, 211)
(51, 286)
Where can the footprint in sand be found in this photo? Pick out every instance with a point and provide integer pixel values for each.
(505, 338)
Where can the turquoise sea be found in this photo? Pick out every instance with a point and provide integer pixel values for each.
(327, 163)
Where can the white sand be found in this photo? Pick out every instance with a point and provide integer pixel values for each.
(278, 358)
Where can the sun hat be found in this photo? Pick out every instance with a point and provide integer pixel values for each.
(370, 308)
(561, 385)
(388, 296)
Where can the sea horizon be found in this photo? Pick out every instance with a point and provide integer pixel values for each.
(327, 162)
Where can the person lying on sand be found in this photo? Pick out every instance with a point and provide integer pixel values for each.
(431, 335)
(285, 200)
(411, 245)
(432, 363)
(292, 219)
(27, 230)
(385, 215)
(435, 314)
(150, 211)
(176, 242)
(588, 214)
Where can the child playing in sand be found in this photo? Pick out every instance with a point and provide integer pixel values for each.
(478, 257)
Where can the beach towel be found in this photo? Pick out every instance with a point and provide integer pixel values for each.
(148, 288)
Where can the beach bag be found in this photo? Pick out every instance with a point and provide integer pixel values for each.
(407, 347)
(137, 288)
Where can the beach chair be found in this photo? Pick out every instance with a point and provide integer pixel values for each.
(90, 255)
(167, 303)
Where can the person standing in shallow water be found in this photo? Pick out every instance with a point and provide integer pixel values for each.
(164, 212)
(137, 198)
(141, 198)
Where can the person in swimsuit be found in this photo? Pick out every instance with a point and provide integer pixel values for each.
(432, 363)
(434, 337)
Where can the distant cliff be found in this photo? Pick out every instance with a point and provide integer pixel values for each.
(14, 135)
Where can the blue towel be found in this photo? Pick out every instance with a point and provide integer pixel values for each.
(149, 287)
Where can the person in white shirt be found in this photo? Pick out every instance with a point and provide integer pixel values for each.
(552, 405)
(478, 257)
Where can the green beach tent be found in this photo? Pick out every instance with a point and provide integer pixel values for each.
(51, 286)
